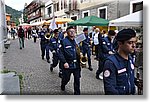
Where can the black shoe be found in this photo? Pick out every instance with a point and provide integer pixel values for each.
(48, 61)
(91, 69)
(51, 68)
(97, 77)
(20, 48)
(42, 58)
(60, 74)
(62, 88)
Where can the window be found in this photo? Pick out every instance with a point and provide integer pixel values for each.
(65, 3)
(136, 5)
(49, 10)
(83, 1)
(102, 12)
(61, 4)
(57, 6)
(85, 13)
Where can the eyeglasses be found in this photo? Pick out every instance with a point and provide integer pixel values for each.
(72, 32)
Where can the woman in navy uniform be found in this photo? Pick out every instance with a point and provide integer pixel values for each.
(118, 70)
(71, 61)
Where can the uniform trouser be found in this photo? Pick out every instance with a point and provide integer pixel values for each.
(34, 39)
(88, 55)
(92, 48)
(100, 67)
(43, 47)
(101, 63)
(21, 42)
(56, 61)
(47, 52)
(66, 73)
(96, 51)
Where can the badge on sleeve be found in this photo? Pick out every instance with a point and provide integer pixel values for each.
(106, 73)
(104, 43)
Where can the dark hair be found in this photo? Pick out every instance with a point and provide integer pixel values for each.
(55, 31)
(85, 29)
(70, 27)
(111, 32)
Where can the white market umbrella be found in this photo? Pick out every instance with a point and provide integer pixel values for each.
(134, 19)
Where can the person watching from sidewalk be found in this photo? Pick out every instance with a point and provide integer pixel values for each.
(21, 37)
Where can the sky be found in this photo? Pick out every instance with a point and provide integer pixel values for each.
(17, 4)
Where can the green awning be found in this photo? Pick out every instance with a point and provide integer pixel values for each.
(90, 21)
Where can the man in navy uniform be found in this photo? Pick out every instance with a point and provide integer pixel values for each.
(118, 70)
(71, 61)
(85, 47)
(105, 50)
(44, 44)
(54, 47)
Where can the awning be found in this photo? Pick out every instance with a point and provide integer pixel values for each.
(134, 19)
(37, 23)
(90, 21)
(59, 20)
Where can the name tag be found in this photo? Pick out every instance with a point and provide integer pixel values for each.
(104, 43)
(68, 47)
(54, 42)
(122, 70)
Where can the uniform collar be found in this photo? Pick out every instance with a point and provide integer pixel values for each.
(120, 58)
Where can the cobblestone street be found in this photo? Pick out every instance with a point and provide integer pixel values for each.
(37, 79)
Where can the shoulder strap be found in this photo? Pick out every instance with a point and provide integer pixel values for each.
(114, 59)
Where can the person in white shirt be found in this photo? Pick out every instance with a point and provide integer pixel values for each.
(96, 42)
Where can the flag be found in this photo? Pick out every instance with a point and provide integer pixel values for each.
(53, 25)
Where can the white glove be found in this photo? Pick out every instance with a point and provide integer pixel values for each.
(53, 51)
(110, 52)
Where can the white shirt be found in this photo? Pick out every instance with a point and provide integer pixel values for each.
(96, 42)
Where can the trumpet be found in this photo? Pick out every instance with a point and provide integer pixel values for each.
(83, 60)
(47, 36)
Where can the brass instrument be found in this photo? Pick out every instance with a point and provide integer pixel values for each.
(47, 36)
(83, 59)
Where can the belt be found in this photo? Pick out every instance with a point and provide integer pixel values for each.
(73, 61)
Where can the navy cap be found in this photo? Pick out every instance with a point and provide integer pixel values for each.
(85, 29)
(69, 27)
(125, 34)
(55, 31)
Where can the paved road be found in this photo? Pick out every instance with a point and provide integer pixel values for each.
(37, 77)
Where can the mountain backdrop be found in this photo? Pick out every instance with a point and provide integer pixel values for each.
(15, 14)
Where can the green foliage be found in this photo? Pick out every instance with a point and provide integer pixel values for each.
(7, 71)
(15, 14)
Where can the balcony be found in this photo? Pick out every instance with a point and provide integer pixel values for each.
(30, 18)
(33, 8)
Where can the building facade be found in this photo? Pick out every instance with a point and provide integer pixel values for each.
(77, 9)
(34, 11)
